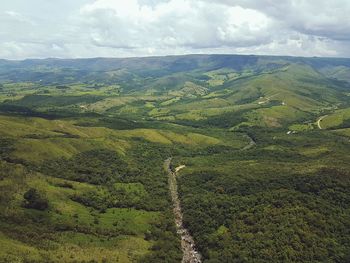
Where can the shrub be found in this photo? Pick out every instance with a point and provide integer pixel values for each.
(35, 200)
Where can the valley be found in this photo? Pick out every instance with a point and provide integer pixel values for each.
(259, 167)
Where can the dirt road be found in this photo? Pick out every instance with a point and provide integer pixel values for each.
(190, 254)
(319, 121)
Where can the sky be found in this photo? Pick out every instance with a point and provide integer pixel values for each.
(130, 28)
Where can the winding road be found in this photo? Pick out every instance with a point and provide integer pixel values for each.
(319, 121)
(190, 254)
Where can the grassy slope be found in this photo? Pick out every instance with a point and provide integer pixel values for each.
(51, 140)
(338, 119)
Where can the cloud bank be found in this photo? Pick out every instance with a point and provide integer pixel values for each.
(118, 28)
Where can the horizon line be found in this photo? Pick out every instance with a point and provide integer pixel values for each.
(182, 55)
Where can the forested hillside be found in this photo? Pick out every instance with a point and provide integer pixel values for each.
(263, 143)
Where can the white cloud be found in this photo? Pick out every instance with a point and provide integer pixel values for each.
(317, 17)
(174, 23)
(88, 28)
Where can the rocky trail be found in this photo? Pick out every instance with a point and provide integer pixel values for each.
(190, 254)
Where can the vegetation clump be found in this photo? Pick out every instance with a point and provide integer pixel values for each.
(35, 200)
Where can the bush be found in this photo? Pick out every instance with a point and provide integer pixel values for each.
(35, 200)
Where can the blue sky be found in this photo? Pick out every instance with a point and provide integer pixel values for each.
(120, 28)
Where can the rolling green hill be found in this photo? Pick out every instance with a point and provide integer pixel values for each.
(265, 142)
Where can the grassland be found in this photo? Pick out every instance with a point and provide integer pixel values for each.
(338, 119)
(73, 229)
